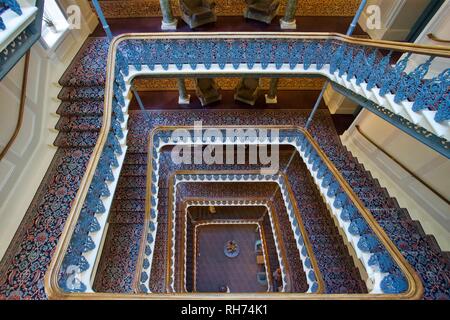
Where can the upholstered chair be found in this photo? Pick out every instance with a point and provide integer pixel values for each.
(197, 12)
(261, 10)
(247, 90)
(207, 91)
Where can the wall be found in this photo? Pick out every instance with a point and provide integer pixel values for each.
(24, 166)
(397, 18)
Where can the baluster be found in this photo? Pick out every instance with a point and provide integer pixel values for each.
(409, 83)
(192, 52)
(337, 58)
(364, 72)
(431, 91)
(178, 53)
(394, 284)
(236, 53)
(281, 54)
(296, 54)
(443, 111)
(150, 51)
(118, 78)
(118, 95)
(208, 48)
(117, 110)
(266, 53)
(161, 52)
(382, 261)
(346, 61)
(376, 76)
(121, 61)
(14, 6)
(114, 143)
(116, 128)
(324, 54)
(309, 54)
(393, 76)
(252, 49)
(222, 53)
(356, 65)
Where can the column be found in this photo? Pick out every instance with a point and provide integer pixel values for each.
(168, 21)
(288, 21)
(271, 97)
(183, 97)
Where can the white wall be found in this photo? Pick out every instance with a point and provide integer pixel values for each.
(397, 18)
(24, 166)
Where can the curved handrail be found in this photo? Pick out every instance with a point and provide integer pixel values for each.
(51, 277)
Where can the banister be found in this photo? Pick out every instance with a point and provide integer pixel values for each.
(51, 278)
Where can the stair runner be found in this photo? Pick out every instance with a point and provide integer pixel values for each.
(23, 267)
(336, 265)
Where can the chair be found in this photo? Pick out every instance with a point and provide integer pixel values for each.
(247, 90)
(197, 12)
(261, 10)
(207, 91)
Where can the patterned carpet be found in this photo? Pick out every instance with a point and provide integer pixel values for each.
(23, 267)
(214, 269)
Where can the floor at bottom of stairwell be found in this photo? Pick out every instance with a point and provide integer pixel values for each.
(23, 267)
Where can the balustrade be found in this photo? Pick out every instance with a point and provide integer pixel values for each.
(360, 65)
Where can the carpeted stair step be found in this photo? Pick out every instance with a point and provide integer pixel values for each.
(81, 108)
(126, 216)
(130, 194)
(80, 139)
(433, 243)
(132, 182)
(390, 214)
(128, 205)
(134, 170)
(345, 286)
(88, 68)
(136, 158)
(79, 123)
(81, 94)
(116, 270)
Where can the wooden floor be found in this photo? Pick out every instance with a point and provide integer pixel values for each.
(214, 269)
(232, 24)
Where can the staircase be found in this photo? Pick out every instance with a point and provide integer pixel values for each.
(117, 267)
(81, 110)
(335, 263)
(421, 250)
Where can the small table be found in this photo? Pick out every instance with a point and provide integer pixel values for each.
(231, 249)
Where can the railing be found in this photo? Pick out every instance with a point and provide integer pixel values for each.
(20, 28)
(334, 56)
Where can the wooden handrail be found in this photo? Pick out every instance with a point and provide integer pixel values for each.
(437, 39)
(23, 98)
